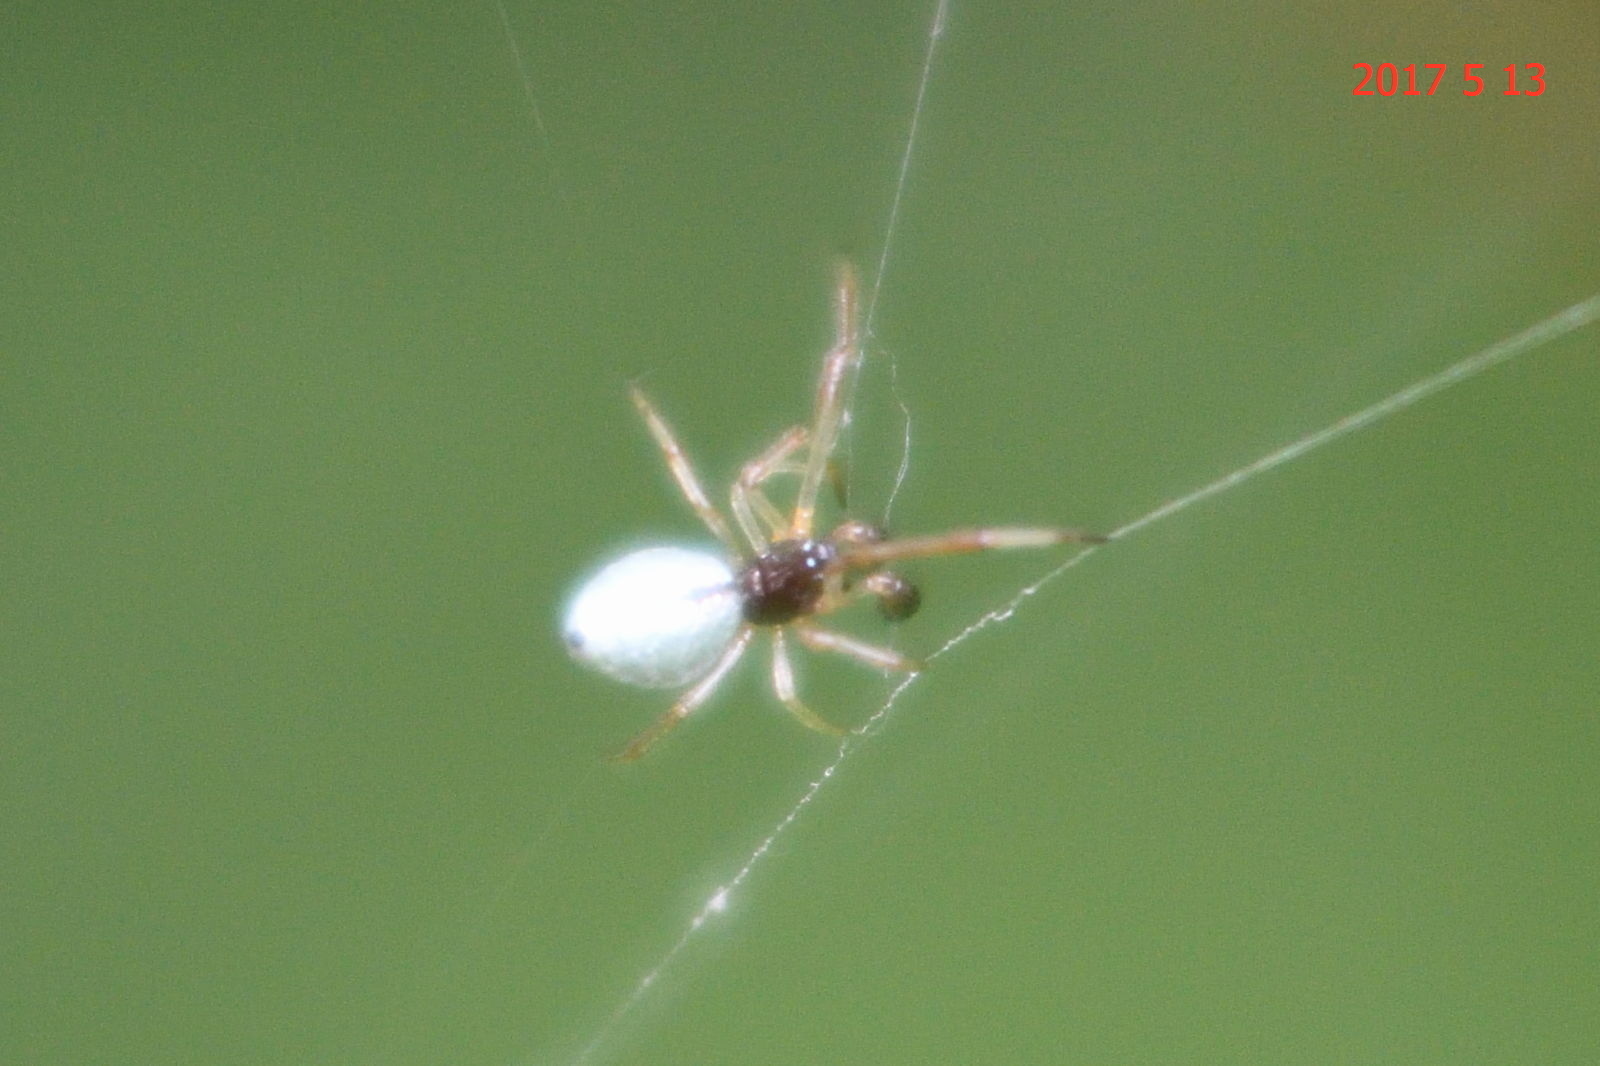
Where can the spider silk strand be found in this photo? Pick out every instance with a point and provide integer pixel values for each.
(535, 112)
(1541, 333)
(935, 35)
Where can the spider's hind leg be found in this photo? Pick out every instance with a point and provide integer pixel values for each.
(688, 701)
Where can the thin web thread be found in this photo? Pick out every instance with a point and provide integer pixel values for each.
(935, 35)
(1544, 332)
(541, 131)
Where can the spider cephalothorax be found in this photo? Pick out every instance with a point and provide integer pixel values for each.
(669, 617)
(786, 581)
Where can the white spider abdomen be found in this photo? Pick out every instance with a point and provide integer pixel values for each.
(658, 617)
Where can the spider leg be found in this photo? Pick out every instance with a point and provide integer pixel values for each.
(682, 472)
(750, 500)
(783, 685)
(960, 541)
(688, 701)
(836, 368)
(839, 481)
(871, 654)
(747, 497)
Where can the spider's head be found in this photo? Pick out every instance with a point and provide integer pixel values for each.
(787, 580)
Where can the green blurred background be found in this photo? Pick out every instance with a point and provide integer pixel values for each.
(313, 397)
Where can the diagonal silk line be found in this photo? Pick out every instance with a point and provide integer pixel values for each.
(1541, 333)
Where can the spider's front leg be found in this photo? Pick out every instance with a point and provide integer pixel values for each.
(837, 366)
(747, 498)
(866, 556)
(682, 471)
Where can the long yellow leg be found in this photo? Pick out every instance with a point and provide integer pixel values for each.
(682, 471)
(961, 541)
(829, 416)
(688, 701)
(783, 684)
(870, 654)
(750, 501)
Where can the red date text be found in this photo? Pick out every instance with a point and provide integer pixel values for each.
(1386, 79)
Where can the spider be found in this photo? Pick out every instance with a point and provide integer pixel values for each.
(670, 617)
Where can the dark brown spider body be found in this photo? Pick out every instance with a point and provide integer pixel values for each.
(786, 581)
(795, 578)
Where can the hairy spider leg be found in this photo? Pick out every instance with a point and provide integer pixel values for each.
(961, 541)
(682, 471)
(783, 685)
(836, 373)
(747, 498)
(691, 699)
